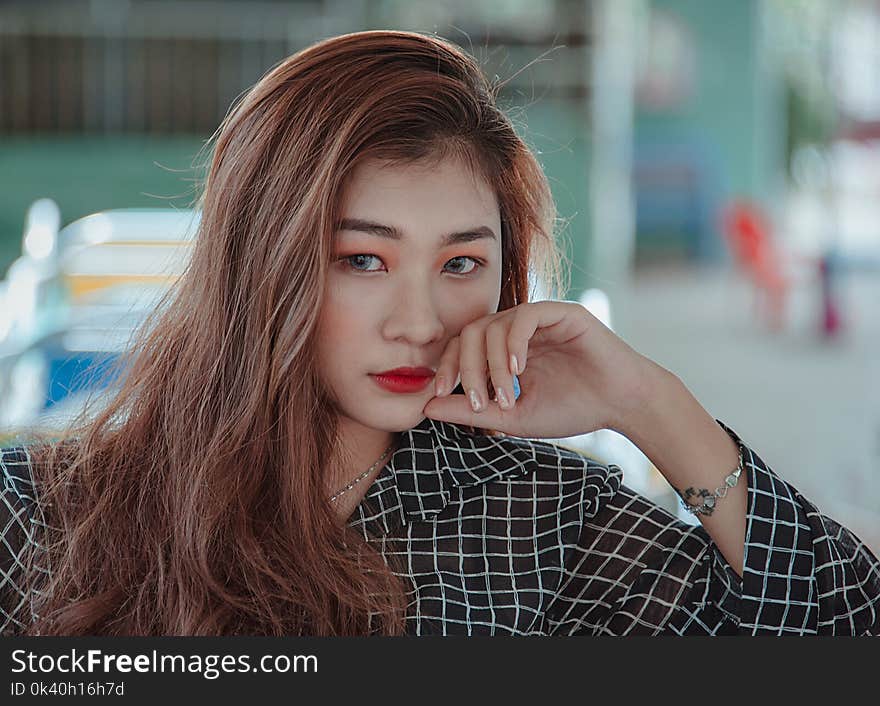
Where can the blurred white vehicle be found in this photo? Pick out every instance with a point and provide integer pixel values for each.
(72, 300)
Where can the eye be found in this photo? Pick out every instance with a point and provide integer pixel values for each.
(360, 262)
(463, 261)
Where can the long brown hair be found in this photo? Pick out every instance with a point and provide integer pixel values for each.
(193, 503)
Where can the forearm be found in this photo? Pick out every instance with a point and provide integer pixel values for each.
(691, 450)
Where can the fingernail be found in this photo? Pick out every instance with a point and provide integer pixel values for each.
(501, 395)
(516, 388)
(439, 386)
(514, 365)
(475, 400)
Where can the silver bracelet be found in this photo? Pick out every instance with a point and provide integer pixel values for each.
(707, 506)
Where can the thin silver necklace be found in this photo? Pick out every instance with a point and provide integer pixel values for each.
(362, 475)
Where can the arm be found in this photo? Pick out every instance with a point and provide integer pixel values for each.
(800, 570)
(691, 450)
(637, 569)
(766, 558)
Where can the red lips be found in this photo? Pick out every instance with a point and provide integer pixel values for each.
(404, 379)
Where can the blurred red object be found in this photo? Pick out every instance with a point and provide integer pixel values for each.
(748, 235)
(831, 319)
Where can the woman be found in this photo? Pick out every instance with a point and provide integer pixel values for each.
(291, 451)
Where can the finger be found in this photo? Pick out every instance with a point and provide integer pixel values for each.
(519, 334)
(499, 361)
(529, 319)
(446, 377)
(472, 366)
(456, 409)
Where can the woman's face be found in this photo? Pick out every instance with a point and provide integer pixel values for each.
(417, 255)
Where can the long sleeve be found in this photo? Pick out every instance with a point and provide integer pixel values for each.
(17, 525)
(637, 569)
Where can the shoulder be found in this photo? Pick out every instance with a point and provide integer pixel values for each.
(489, 455)
(437, 454)
(18, 517)
(17, 475)
(551, 471)
(21, 514)
(550, 455)
(554, 461)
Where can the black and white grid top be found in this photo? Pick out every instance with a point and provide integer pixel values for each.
(501, 535)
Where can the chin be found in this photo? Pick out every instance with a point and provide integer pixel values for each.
(395, 420)
(403, 422)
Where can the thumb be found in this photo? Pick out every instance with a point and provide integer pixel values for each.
(457, 410)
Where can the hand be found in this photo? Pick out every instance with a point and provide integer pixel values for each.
(576, 375)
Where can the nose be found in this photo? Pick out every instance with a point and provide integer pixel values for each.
(413, 315)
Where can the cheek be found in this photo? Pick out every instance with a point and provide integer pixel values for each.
(481, 301)
(339, 325)
(337, 336)
(344, 323)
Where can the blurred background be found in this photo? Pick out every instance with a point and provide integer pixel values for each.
(716, 166)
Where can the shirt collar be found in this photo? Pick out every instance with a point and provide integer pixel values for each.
(434, 457)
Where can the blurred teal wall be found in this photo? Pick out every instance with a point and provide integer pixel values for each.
(735, 117)
(559, 133)
(88, 174)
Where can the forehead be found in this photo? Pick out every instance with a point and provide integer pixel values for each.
(447, 192)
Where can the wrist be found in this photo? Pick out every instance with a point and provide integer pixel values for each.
(652, 388)
(683, 441)
(693, 452)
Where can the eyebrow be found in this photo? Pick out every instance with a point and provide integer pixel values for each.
(383, 231)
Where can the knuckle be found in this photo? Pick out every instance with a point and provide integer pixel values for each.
(495, 328)
(450, 354)
(468, 331)
(451, 346)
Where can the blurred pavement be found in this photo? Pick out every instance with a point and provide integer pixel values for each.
(809, 407)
